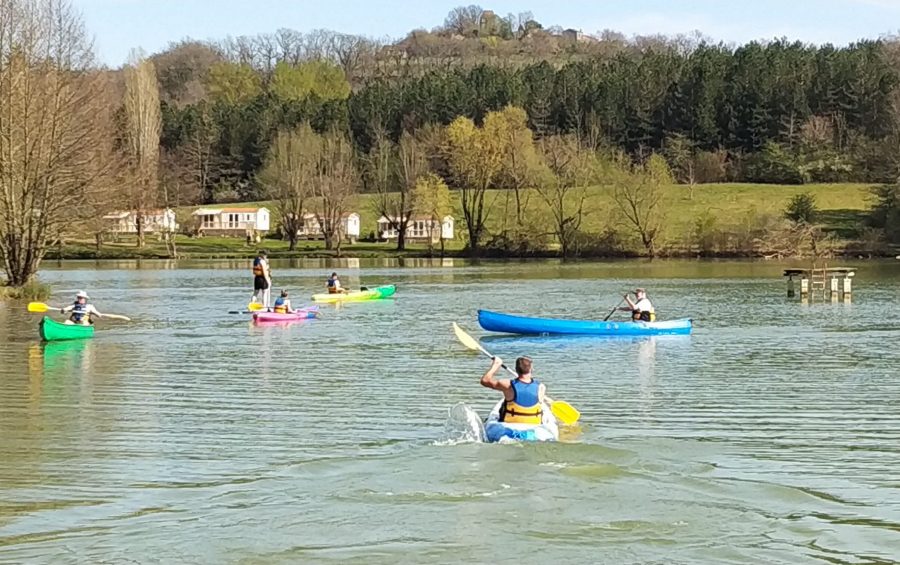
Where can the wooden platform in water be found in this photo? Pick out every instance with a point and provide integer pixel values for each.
(829, 271)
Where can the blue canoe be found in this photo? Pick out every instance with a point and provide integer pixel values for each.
(506, 323)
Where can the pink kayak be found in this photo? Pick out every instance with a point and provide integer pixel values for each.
(302, 314)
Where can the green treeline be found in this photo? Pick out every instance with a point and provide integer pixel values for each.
(777, 112)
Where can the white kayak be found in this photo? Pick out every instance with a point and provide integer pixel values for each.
(497, 431)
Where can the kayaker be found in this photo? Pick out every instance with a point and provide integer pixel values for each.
(283, 304)
(80, 312)
(524, 396)
(334, 285)
(262, 279)
(642, 310)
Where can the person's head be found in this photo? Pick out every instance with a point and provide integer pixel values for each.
(523, 366)
(334, 275)
(81, 297)
(640, 293)
(263, 253)
(284, 294)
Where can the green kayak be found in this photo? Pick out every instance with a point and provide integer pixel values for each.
(55, 331)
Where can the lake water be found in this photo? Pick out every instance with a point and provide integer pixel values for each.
(771, 435)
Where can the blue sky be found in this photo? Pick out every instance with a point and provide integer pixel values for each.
(119, 25)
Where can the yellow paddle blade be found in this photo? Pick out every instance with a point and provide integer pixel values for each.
(567, 414)
(466, 339)
(255, 307)
(37, 307)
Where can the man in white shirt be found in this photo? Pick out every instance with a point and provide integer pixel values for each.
(642, 310)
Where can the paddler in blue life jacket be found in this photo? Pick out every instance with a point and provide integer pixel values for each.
(80, 312)
(642, 310)
(283, 304)
(334, 285)
(524, 396)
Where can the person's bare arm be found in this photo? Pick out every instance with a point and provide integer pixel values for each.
(488, 381)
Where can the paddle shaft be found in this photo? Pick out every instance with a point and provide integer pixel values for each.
(613, 311)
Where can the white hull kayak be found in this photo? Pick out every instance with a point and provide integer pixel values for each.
(497, 431)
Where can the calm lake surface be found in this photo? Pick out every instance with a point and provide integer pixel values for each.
(771, 435)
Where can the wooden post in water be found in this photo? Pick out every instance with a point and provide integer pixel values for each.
(790, 286)
(848, 286)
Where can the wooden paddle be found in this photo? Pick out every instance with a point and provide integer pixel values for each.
(616, 307)
(566, 413)
(40, 307)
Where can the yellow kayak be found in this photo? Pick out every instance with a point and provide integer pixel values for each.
(375, 293)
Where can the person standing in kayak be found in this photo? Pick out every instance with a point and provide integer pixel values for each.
(81, 313)
(334, 285)
(642, 310)
(283, 304)
(523, 397)
(262, 279)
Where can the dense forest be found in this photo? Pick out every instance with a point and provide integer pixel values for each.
(769, 112)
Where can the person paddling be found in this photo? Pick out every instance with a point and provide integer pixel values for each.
(334, 285)
(81, 312)
(523, 397)
(262, 279)
(642, 310)
(283, 304)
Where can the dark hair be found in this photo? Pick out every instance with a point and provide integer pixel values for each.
(333, 274)
(284, 294)
(523, 365)
(263, 252)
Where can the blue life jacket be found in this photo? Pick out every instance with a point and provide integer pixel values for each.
(331, 282)
(525, 407)
(78, 312)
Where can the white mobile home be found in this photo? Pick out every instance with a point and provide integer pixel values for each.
(420, 228)
(232, 221)
(154, 221)
(312, 230)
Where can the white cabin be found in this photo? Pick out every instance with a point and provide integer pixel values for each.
(232, 221)
(312, 230)
(420, 228)
(125, 222)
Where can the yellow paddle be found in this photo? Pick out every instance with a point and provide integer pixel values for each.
(255, 307)
(566, 413)
(40, 307)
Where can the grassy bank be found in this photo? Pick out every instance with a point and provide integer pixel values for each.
(843, 209)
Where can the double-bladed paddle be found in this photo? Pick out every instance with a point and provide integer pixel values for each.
(40, 307)
(566, 413)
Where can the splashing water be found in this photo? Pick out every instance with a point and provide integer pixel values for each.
(463, 426)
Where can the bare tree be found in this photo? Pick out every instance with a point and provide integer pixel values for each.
(55, 129)
(337, 180)
(394, 170)
(570, 170)
(464, 20)
(638, 193)
(142, 137)
(288, 175)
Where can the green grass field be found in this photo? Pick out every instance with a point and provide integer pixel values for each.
(842, 209)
